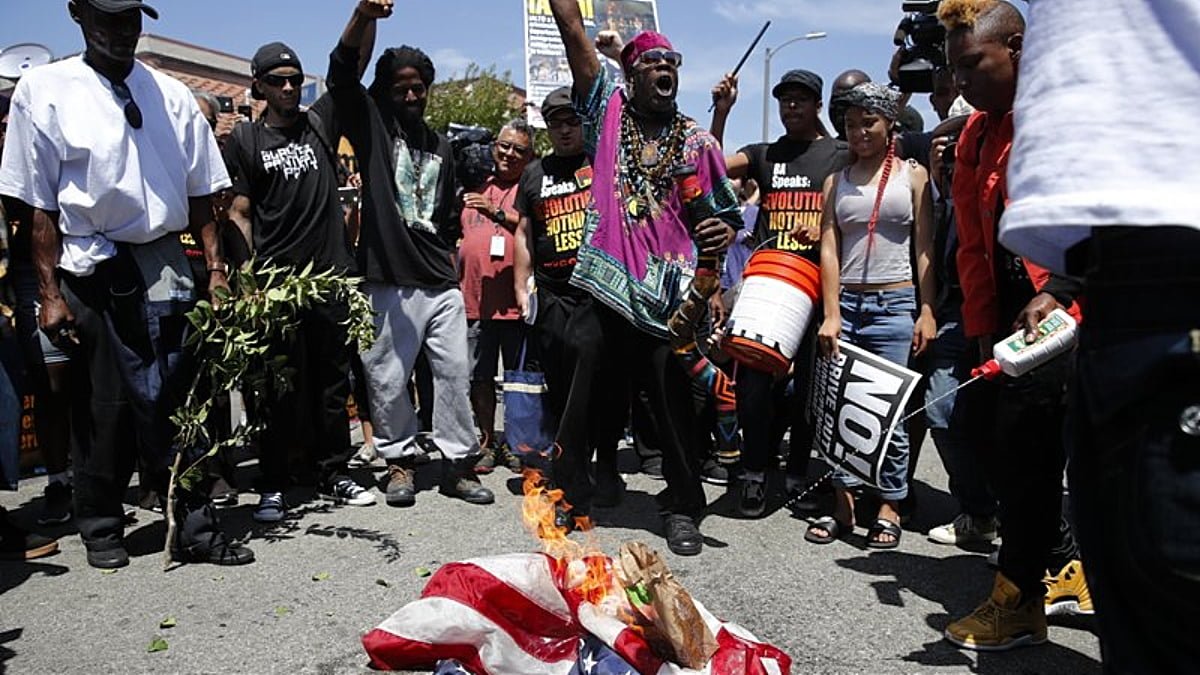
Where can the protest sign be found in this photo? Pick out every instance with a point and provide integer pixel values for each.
(546, 67)
(856, 401)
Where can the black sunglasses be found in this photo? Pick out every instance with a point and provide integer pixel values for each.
(278, 80)
(133, 114)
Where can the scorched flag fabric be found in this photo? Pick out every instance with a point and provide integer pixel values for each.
(509, 615)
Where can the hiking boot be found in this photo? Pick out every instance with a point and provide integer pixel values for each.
(1067, 592)
(401, 485)
(270, 509)
(459, 480)
(17, 544)
(752, 498)
(504, 455)
(682, 534)
(965, 529)
(56, 505)
(487, 460)
(346, 491)
(1004, 621)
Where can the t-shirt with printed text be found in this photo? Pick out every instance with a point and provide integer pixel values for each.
(791, 175)
(556, 195)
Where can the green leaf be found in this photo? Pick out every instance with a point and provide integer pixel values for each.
(282, 611)
(168, 622)
(320, 576)
(423, 571)
(158, 644)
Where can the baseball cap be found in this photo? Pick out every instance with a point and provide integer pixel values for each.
(557, 101)
(117, 6)
(799, 78)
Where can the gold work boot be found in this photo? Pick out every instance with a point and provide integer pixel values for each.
(1067, 592)
(1002, 622)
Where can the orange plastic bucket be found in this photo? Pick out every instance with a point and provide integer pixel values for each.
(773, 310)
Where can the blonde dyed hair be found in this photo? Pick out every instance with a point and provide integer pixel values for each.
(956, 14)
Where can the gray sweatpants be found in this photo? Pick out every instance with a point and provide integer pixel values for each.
(407, 319)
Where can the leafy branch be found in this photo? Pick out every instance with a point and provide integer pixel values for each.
(232, 341)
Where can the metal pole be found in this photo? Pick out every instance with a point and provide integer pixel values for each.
(766, 95)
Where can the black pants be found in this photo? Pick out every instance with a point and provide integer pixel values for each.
(312, 415)
(585, 394)
(130, 373)
(1135, 446)
(653, 367)
(1021, 422)
(765, 411)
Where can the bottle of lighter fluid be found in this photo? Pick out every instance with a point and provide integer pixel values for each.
(1015, 357)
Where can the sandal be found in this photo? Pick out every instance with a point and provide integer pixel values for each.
(883, 526)
(835, 530)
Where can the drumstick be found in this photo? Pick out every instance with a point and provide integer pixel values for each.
(745, 56)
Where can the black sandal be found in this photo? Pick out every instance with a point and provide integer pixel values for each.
(883, 526)
(835, 530)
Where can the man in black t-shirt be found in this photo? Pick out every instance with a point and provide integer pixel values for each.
(790, 174)
(285, 186)
(406, 248)
(553, 201)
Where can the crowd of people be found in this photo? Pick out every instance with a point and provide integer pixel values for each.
(578, 260)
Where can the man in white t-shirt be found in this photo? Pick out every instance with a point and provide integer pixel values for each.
(1105, 190)
(115, 159)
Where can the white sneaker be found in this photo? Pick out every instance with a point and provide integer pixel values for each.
(346, 491)
(965, 529)
(365, 456)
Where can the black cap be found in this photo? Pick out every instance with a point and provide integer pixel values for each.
(557, 101)
(117, 6)
(269, 57)
(799, 78)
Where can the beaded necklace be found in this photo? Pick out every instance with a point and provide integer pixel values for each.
(648, 164)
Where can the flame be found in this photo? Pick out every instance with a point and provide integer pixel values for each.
(588, 571)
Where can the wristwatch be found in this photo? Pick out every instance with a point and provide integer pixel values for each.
(222, 267)
(501, 217)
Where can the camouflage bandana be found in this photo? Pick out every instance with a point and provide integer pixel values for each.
(874, 97)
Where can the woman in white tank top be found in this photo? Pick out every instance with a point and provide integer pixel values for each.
(875, 211)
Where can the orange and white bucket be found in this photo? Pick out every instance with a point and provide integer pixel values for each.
(773, 310)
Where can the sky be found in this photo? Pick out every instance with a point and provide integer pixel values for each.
(711, 34)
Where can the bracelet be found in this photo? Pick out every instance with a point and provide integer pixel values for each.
(222, 267)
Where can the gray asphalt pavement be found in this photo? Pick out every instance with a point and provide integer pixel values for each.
(327, 575)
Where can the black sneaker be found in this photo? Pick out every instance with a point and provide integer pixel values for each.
(56, 505)
(222, 493)
(713, 473)
(752, 499)
(652, 467)
(683, 536)
(108, 558)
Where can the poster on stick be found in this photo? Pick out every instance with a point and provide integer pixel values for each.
(546, 67)
(856, 401)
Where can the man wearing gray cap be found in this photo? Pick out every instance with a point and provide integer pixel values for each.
(115, 159)
(790, 172)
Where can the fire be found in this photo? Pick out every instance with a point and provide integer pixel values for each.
(587, 570)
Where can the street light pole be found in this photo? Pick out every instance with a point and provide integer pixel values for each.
(766, 126)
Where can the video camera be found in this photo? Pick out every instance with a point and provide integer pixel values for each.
(922, 42)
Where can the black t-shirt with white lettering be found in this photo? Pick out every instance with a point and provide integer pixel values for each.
(556, 194)
(291, 180)
(791, 175)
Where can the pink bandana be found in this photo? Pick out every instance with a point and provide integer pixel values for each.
(642, 43)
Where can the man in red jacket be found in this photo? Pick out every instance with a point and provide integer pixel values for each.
(1025, 460)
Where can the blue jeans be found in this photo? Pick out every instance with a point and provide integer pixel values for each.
(1134, 436)
(881, 322)
(949, 366)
